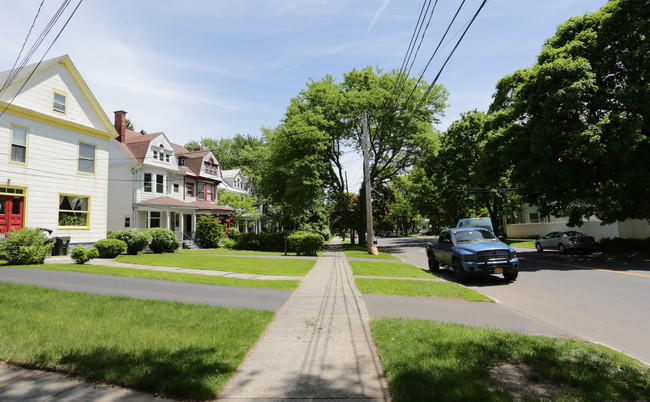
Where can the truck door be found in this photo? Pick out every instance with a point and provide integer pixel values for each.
(444, 248)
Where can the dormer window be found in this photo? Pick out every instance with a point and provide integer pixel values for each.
(59, 102)
(181, 162)
(155, 154)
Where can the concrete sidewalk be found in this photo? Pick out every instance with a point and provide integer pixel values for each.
(319, 345)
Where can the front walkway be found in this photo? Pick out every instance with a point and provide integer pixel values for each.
(319, 345)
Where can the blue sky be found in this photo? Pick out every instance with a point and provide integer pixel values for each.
(199, 68)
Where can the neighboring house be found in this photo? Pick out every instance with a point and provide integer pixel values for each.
(235, 182)
(529, 222)
(54, 146)
(155, 183)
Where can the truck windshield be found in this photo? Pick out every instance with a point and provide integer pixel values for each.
(470, 236)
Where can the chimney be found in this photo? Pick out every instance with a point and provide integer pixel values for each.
(120, 124)
(197, 148)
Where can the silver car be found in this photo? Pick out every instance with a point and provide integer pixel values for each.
(568, 240)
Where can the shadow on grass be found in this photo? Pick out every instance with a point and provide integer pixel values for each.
(435, 361)
(192, 372)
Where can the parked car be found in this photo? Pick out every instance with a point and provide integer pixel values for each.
(567, 240)
(472, 252)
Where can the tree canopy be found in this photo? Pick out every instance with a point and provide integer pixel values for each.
(574, 128)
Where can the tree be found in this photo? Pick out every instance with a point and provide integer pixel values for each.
(243, 152)
(575, 128)
(333, 112)
(244, 206)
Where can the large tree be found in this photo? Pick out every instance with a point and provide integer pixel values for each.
(575, 128)
(400, 113)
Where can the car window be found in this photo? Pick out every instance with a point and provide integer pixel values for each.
(469, 236)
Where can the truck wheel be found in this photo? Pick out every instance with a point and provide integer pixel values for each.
(511, 276)
(459, 272)
(434, 265)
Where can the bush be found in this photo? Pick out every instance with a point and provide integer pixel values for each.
(326, 234)
(247, 241)
(163, 241)
(80, 255)
(229, 243)
(136, 239)
(209, 231)
(261, 242)
(25, 246)
(233, 233)
(110, 234)
(623, 245)
(305, 243)
(110, 248)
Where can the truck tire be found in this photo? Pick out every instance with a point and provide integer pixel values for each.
(511, 276)
(434, 265)
(459, 272)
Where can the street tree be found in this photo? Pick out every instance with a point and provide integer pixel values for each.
(575, 127)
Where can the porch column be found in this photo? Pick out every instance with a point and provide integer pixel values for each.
(148, 219)
(167, 213)
(182, 225)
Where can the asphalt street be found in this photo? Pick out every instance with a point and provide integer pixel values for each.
(599, 298)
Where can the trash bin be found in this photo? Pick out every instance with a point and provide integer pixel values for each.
(61, 245)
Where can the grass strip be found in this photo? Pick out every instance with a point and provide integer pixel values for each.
(227, 251)
(168, 276)
(405, 287)
(245, 265)
(520, 243)
(185, 351)
(396, 270)
(430, 361)
(357, 251)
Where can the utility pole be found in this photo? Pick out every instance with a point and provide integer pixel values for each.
(366, 173)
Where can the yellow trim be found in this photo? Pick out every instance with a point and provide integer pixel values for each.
(94, 173)
(89, 95)
(58, 211)
(65, 98)
(11, 133)
(58, 122)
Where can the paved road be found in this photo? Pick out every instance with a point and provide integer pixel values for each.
(259, 299)
(602, 299)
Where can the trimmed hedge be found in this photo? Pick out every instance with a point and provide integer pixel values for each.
(163, 241)
(81, 256)
(209, 231)
(25, 246)
(623, 245)
(305, 243)
(261, 241)
(136, 239)
(110, 248)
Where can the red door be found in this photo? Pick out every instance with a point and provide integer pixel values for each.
(11, 213)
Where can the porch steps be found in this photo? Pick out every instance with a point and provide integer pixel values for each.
(191, 244)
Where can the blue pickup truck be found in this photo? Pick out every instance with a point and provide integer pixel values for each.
(472, 251)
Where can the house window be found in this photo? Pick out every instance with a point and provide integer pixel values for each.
(18, 144)
(73, 210)
(59, 102)
(147, 182)
(160, 185)
(181, 162)
(127, 221)
(154, 219)
(166, 157)
(189, 189)
(533, 217)
(176, 187)
(86, 158)
(209, 188)
(200, 191)
(155, 154)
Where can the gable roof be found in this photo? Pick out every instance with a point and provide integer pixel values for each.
(7, 79)
(136, 145)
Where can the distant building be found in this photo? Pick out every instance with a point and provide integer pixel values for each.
(156, 183)
(54, 144)
(235, 182)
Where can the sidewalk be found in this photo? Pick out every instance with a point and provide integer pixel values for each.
(319, 345)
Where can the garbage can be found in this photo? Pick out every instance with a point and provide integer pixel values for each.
(61, 245)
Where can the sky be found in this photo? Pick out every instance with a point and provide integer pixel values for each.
(211, 69)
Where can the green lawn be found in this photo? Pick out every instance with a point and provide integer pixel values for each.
(433, 361)
(186, 351)
(227, 251)
(414, 288)
(393, 269)
(520, 242)
(357, 251)
(168, 276)
(247, 265)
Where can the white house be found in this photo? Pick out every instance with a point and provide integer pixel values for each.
(54, 139)
(235, 182)
(155, 183)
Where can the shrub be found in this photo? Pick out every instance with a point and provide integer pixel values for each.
(247, 241)
(163, 241)
(136, 239)
(229, 243)
(110, 248)
(25, 246)
(110, 234)
(209, 231)
(326, 234)
(305, 243)
(80, 255)
(233, 233)
(623, 245)
(261, 242)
